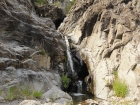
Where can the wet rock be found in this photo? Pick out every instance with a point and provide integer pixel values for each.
(91, 102)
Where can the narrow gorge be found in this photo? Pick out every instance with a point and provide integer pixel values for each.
(89, 55)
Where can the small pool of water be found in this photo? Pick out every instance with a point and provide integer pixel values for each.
(79, 98)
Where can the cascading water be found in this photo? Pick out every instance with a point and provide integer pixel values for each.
(79, 85)
(69, 55)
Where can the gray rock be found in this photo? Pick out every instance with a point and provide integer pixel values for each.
(30, 102)
(2, 99)
(57, 95)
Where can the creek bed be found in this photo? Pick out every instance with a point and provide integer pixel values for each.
(79, 98)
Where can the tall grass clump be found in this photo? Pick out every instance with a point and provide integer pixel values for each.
(11, 94)
(37, 94)
(120, 87)
(27, 93)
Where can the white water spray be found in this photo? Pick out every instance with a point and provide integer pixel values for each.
(69, 55)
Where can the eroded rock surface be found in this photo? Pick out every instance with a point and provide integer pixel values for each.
(106, 35)
(31, 50)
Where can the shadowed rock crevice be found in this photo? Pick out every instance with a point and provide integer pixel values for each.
(51, 11)
(89, 26)
(58, 22)
(126, 1)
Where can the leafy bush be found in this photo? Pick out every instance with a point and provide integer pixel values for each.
(65, 81)
(37, 94)
(120, 88)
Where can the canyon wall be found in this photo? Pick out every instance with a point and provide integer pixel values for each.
(106, 35)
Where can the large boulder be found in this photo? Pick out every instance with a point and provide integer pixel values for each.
(57, 95)
(106, 35)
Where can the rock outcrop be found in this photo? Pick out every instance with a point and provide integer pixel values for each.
(51, 11)
(31, 50)
(106, 36)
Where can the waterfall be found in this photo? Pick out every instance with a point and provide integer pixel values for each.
(79, 86)
(69, 55)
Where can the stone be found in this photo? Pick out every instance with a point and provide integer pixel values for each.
(57, 96)
(2, 99)
(30, 102)
(91, 102)
(29, 63)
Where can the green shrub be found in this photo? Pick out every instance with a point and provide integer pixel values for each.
(65, 81)
(120, 88)
(27, 92)
(42, 52)
(40, 2)
(37, 94)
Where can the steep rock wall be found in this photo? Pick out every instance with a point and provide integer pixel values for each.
(31, 50)
(106, 36)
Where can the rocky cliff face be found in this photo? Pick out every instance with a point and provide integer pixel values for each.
(30, 48)
(106, 34)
